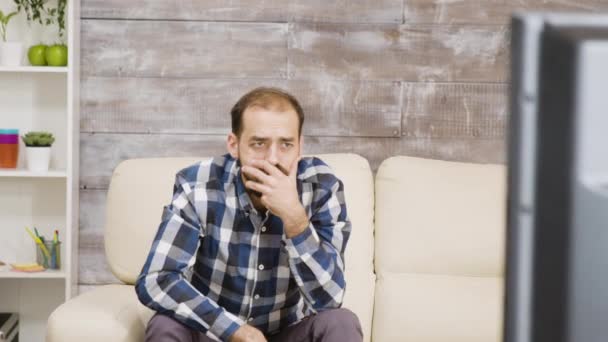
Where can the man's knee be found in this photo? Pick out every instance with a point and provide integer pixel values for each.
(341, 320)
(342, 317)
(164, 328)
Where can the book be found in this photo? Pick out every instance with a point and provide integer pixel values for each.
(32, 267)
(9, 327)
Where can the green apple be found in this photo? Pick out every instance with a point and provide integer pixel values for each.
(57, 55)
(36, 54)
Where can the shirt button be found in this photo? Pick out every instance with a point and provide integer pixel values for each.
(263, 228)
(261, 267)
(257, 296)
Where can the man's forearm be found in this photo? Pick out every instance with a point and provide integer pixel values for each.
(205, 316)
(296, 223)
(307, 253)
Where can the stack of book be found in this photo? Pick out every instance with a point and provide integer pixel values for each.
(9, 327)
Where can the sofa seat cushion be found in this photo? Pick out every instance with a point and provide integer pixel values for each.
(439, 255)
(108, 313)
(437, 308)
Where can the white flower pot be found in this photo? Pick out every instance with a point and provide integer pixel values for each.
(38, 158)
(11, 53)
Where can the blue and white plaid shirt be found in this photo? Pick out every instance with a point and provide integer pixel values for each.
(216, 263)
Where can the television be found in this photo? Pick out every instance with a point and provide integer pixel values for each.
(556, 283)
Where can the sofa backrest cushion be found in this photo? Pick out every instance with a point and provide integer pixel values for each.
(139, 189)
(439, 250)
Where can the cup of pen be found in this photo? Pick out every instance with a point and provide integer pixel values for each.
(47, 252)
(51, 258)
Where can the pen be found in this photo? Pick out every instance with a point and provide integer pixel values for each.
(39, 243)
(56, 260)
(38, 235)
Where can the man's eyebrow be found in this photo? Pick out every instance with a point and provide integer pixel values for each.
(257, 138)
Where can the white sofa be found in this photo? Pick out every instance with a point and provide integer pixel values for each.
(424, 263)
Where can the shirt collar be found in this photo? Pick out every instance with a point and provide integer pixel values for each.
(241, 191)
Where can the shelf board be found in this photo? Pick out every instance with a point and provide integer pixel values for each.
(48, 274)
(31, 174)
(27, 68)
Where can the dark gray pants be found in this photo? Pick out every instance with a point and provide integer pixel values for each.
(336, 325)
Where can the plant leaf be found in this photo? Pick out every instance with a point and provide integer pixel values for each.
(10, 15)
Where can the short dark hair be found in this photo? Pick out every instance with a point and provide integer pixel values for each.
(268, 98)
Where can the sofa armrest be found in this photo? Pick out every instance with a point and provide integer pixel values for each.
(108, 313)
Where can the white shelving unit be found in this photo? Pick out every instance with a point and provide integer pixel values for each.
(29, 68)
(40, 98)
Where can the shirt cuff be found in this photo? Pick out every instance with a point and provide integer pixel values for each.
(302, 245)
(225, 325)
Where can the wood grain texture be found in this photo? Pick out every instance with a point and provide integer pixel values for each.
(127, 48)
(346, 11)
(237, 10)
(458, 53)
(487, 12)
(376, 150)
(455, 110)
(92, 265)
(202, 106)
(101, 153)
(248, 10)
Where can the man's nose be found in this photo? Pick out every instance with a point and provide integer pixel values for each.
(272, 155)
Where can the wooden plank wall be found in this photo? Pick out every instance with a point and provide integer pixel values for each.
(425, 78)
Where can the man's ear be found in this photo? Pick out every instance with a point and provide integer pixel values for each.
(232, 144)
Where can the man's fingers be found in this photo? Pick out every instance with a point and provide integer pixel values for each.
(282, 169)
(257, 187)
(256, 174)
(278, 169)
(267, 167)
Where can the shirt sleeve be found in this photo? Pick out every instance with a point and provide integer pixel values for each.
(316, 256)
(164, 283)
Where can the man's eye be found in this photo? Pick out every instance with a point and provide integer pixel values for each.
(287, 145)
(258, 144)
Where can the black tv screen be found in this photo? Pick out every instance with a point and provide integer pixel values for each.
(557, 235)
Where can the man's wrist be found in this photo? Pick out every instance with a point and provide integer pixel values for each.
(296, 224)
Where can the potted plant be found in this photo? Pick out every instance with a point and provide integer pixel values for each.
(38, 150)
(39, 11)
(11, 53)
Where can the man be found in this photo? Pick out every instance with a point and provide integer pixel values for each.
(251, 248)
